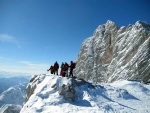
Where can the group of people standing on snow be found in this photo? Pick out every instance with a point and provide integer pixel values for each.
(65, 67)
(54, 69)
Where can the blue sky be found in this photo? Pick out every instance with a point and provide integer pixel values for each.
(36, 33)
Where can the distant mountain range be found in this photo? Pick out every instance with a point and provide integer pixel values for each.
(12, 90)
(13, 95)
(8, 79)
(4, 74)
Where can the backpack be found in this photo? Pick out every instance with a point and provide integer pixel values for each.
(56, 66)
(74, 65)
(66, 66)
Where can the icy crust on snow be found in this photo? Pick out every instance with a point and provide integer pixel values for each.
(114, 53)
(118, 97)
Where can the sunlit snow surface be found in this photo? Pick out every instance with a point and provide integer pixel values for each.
(118, 97)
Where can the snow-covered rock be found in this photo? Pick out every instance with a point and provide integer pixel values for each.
(118, 97)
(68, 92)
(31, 86)
(10, 108)
(114, 53)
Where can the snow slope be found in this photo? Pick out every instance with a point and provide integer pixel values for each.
(118, 97)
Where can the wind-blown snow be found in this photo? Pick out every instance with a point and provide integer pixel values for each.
(118, 97)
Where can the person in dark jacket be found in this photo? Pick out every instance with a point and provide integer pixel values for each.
(72, 66)
(56, 67)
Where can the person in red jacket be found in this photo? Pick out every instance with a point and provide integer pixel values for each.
(62, 72)
(56, 67)
(72, 66)
(66, 66)
(51, 69)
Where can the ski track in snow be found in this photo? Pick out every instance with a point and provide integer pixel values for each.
(118, 97)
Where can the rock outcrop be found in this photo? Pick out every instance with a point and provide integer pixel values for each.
(31, 86)
(114, 53)
(68, 92)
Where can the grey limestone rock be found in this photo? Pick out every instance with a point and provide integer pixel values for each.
(32, 86)
(68, 92)
(114, 53)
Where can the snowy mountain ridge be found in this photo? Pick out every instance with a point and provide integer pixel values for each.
(118, 97)
(11, 100)
(13, 95)
(114, 53)
(12, 91)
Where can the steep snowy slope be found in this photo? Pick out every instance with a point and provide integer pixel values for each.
(118, 97)
(114, 53)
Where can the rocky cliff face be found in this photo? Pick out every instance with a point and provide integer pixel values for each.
(114, 53)
(32, 86)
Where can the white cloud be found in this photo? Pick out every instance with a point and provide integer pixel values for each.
(24, 67)
(4, 58)
(9, 38)
(12, 65)
(33, 64)
(34, 68)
